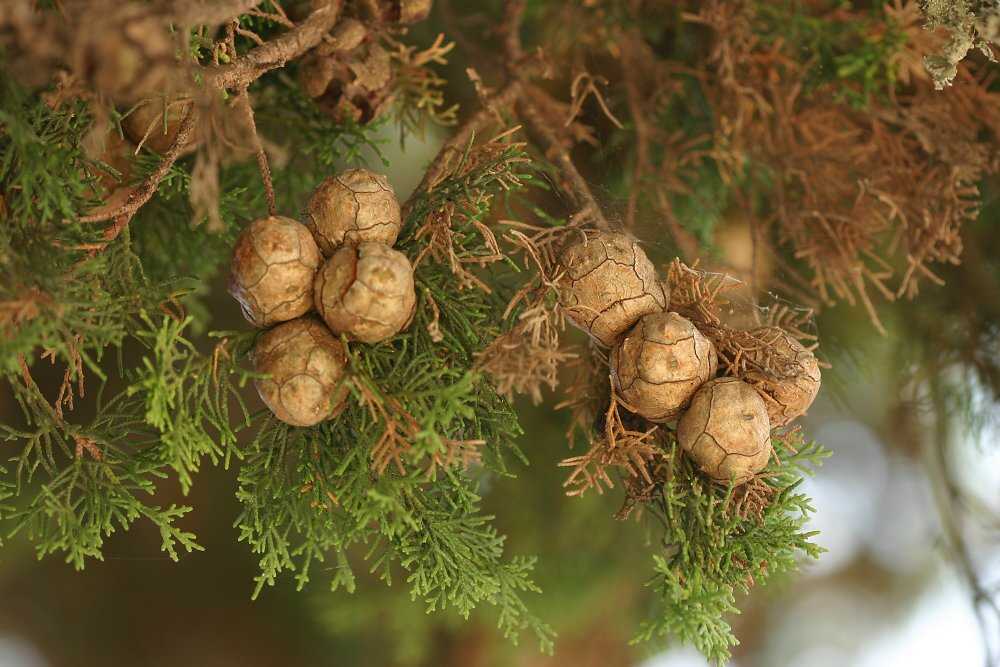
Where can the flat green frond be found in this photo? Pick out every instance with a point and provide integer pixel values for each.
(187, 397)
(720, 542)
(99, 492)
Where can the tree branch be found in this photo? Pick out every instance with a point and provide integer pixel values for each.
(292, 44)
(948, 499)
(511, 31)
(631, 62)
(262, 164)
(144, 192)
(238, 74)
(573, 184)
(458, 142)
(492, 106)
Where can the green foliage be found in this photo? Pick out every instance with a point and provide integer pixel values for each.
(282, 104)
(55, 297)
(184, 400)
(202, 40)
(88, 500)
(704, 205)
(846, 52)
(41, 163)
(89, 479)
(238, 201)
(309, 492)
(467, 568)
(719, 542)
(170, 242)
(394, 483)
(73, 314)
(419, 95)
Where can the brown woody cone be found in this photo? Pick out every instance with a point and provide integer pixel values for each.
(786, 397)
(355, 86)
(406, 11)
(146, 123)
(726, 431)
(660, 363)
(607, 284)
(274, 265)
(366, 292)
(306, 365)
(353, 207)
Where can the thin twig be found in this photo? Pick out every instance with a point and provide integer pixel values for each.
(243, 99)
(262, 164)
(493, 105)
(631, 61)
(640, 167)
(510, 29)
(460, 139)
(292, 44)
(238, 74)
(142, 194)
(949, 500)
(576, 187)
(573, 184)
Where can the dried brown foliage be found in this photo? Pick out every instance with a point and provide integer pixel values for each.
(529, 356)
(622, 446)
(851, 202)
(28, 304)
(438, 228)
(418, 85)
(437, 232)
(73, 378)
(867, 199)
(401, 429)
(712, 301)
(584, 392)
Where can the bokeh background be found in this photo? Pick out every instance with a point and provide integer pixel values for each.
(911, 526)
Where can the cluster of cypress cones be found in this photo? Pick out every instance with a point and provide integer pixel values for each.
(337, 262)
(666, 370)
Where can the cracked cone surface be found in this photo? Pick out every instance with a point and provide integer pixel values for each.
(272, 272)
(607, 284)
(726, 431)
(788, 396)
(660, 363)
(366, 292)
(306, 365)
(353, 207)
